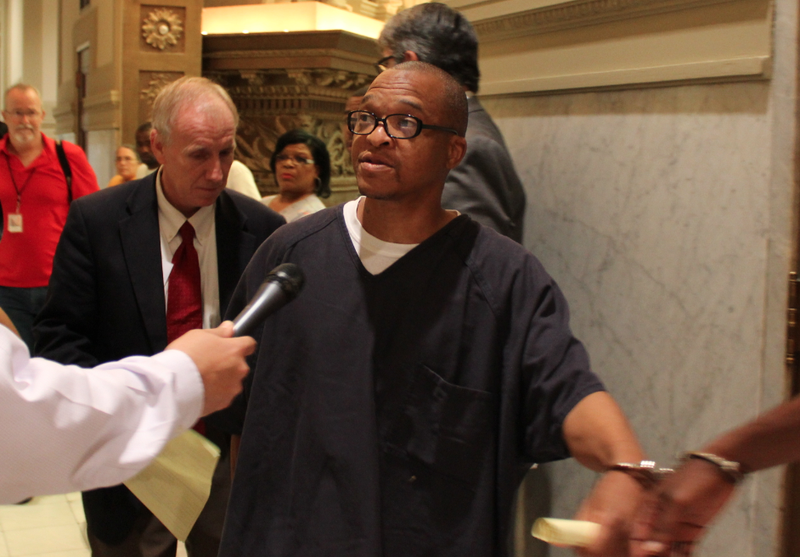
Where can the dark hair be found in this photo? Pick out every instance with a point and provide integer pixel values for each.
(318, 151)
(450, 96)
(438, 35)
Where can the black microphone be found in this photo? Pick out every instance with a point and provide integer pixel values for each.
(281, 286)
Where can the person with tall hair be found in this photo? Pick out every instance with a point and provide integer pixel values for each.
(141, 263)
(302, 168)
(485, 185)
(39, 179)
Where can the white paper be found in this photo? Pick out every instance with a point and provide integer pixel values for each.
(559, 531)
(176, 485)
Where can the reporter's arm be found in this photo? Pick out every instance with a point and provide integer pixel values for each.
(68, 428)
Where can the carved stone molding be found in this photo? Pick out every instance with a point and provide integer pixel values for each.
(596, 44)
(282, 54)
(272, 102)
(566, 15)
(150, 85)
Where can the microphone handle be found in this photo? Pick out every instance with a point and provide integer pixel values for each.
(269, 298)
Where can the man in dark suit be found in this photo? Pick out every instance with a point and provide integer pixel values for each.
(121, 254)
(485, 185)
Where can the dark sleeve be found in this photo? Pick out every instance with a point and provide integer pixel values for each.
(69, 317)
(84, 180)
(555, 371)
(485, 186)
(231, 419)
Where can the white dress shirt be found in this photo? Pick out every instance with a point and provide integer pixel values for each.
(65, 428)
(170, 221)
(241, 179)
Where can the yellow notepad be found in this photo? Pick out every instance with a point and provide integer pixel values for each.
(176, 485)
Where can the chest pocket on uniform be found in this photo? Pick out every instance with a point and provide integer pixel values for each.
(447, 427)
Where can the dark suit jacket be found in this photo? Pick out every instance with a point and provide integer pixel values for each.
(485, 185)
(106, 295)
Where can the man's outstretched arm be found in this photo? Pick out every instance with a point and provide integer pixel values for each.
(105, 424)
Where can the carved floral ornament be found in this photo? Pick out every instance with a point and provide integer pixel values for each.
(156, 83)
(162, 27)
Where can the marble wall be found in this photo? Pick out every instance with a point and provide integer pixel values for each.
(656, 211)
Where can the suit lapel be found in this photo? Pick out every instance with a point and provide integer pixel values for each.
(235, 246)
(141, 248)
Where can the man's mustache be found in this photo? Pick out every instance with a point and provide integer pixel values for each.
(21, 127)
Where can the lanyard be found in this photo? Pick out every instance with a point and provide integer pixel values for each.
(14, 182)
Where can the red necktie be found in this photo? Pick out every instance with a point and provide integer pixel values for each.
(184, 298)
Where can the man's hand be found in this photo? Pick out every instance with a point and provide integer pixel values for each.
(220, 360)
(675, 514)
(612, 504)
(599, 436)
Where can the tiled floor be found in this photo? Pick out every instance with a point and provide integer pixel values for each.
(52, 526)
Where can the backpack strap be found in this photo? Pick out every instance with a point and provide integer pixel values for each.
(62, 158)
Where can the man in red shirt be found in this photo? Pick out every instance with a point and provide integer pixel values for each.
(35, 200)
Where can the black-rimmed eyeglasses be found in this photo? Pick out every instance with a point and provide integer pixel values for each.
(386, 62)
(398, 126)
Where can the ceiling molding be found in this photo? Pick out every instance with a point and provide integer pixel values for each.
(575, 13)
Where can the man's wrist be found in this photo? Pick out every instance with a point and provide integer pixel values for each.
(645, 472)
(732, 471)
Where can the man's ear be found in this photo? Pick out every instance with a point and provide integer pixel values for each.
(157, 145)
(456, 151)
(410, 56)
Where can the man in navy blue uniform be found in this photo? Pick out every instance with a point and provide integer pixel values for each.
(395, 406)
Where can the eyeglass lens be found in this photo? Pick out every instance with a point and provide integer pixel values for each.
(296, 158)
(397, 125)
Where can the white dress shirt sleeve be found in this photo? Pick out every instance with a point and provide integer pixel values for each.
(64, 428)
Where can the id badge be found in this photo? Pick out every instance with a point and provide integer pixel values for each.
(15, 222)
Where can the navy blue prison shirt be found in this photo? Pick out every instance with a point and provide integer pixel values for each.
(395, 415)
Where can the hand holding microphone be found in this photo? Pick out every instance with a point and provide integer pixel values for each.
(281, 286)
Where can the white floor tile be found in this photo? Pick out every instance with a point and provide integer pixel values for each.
(77, 511)
(73, 496)
(45, 500)
(34, 541)
(73, 553)
(23, 517)
(3, 546)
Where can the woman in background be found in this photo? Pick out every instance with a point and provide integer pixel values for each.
(127, 162)
(302, 169)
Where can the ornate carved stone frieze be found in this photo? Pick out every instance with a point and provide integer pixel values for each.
(162, 27)
(150, 85)
(575, 14)
(272, 102)
(283, 54)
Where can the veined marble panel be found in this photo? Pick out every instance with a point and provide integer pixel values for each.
(101, 145)
(651, 208)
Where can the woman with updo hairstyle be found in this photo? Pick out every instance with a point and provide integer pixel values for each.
(302, 168)
(127, 162)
